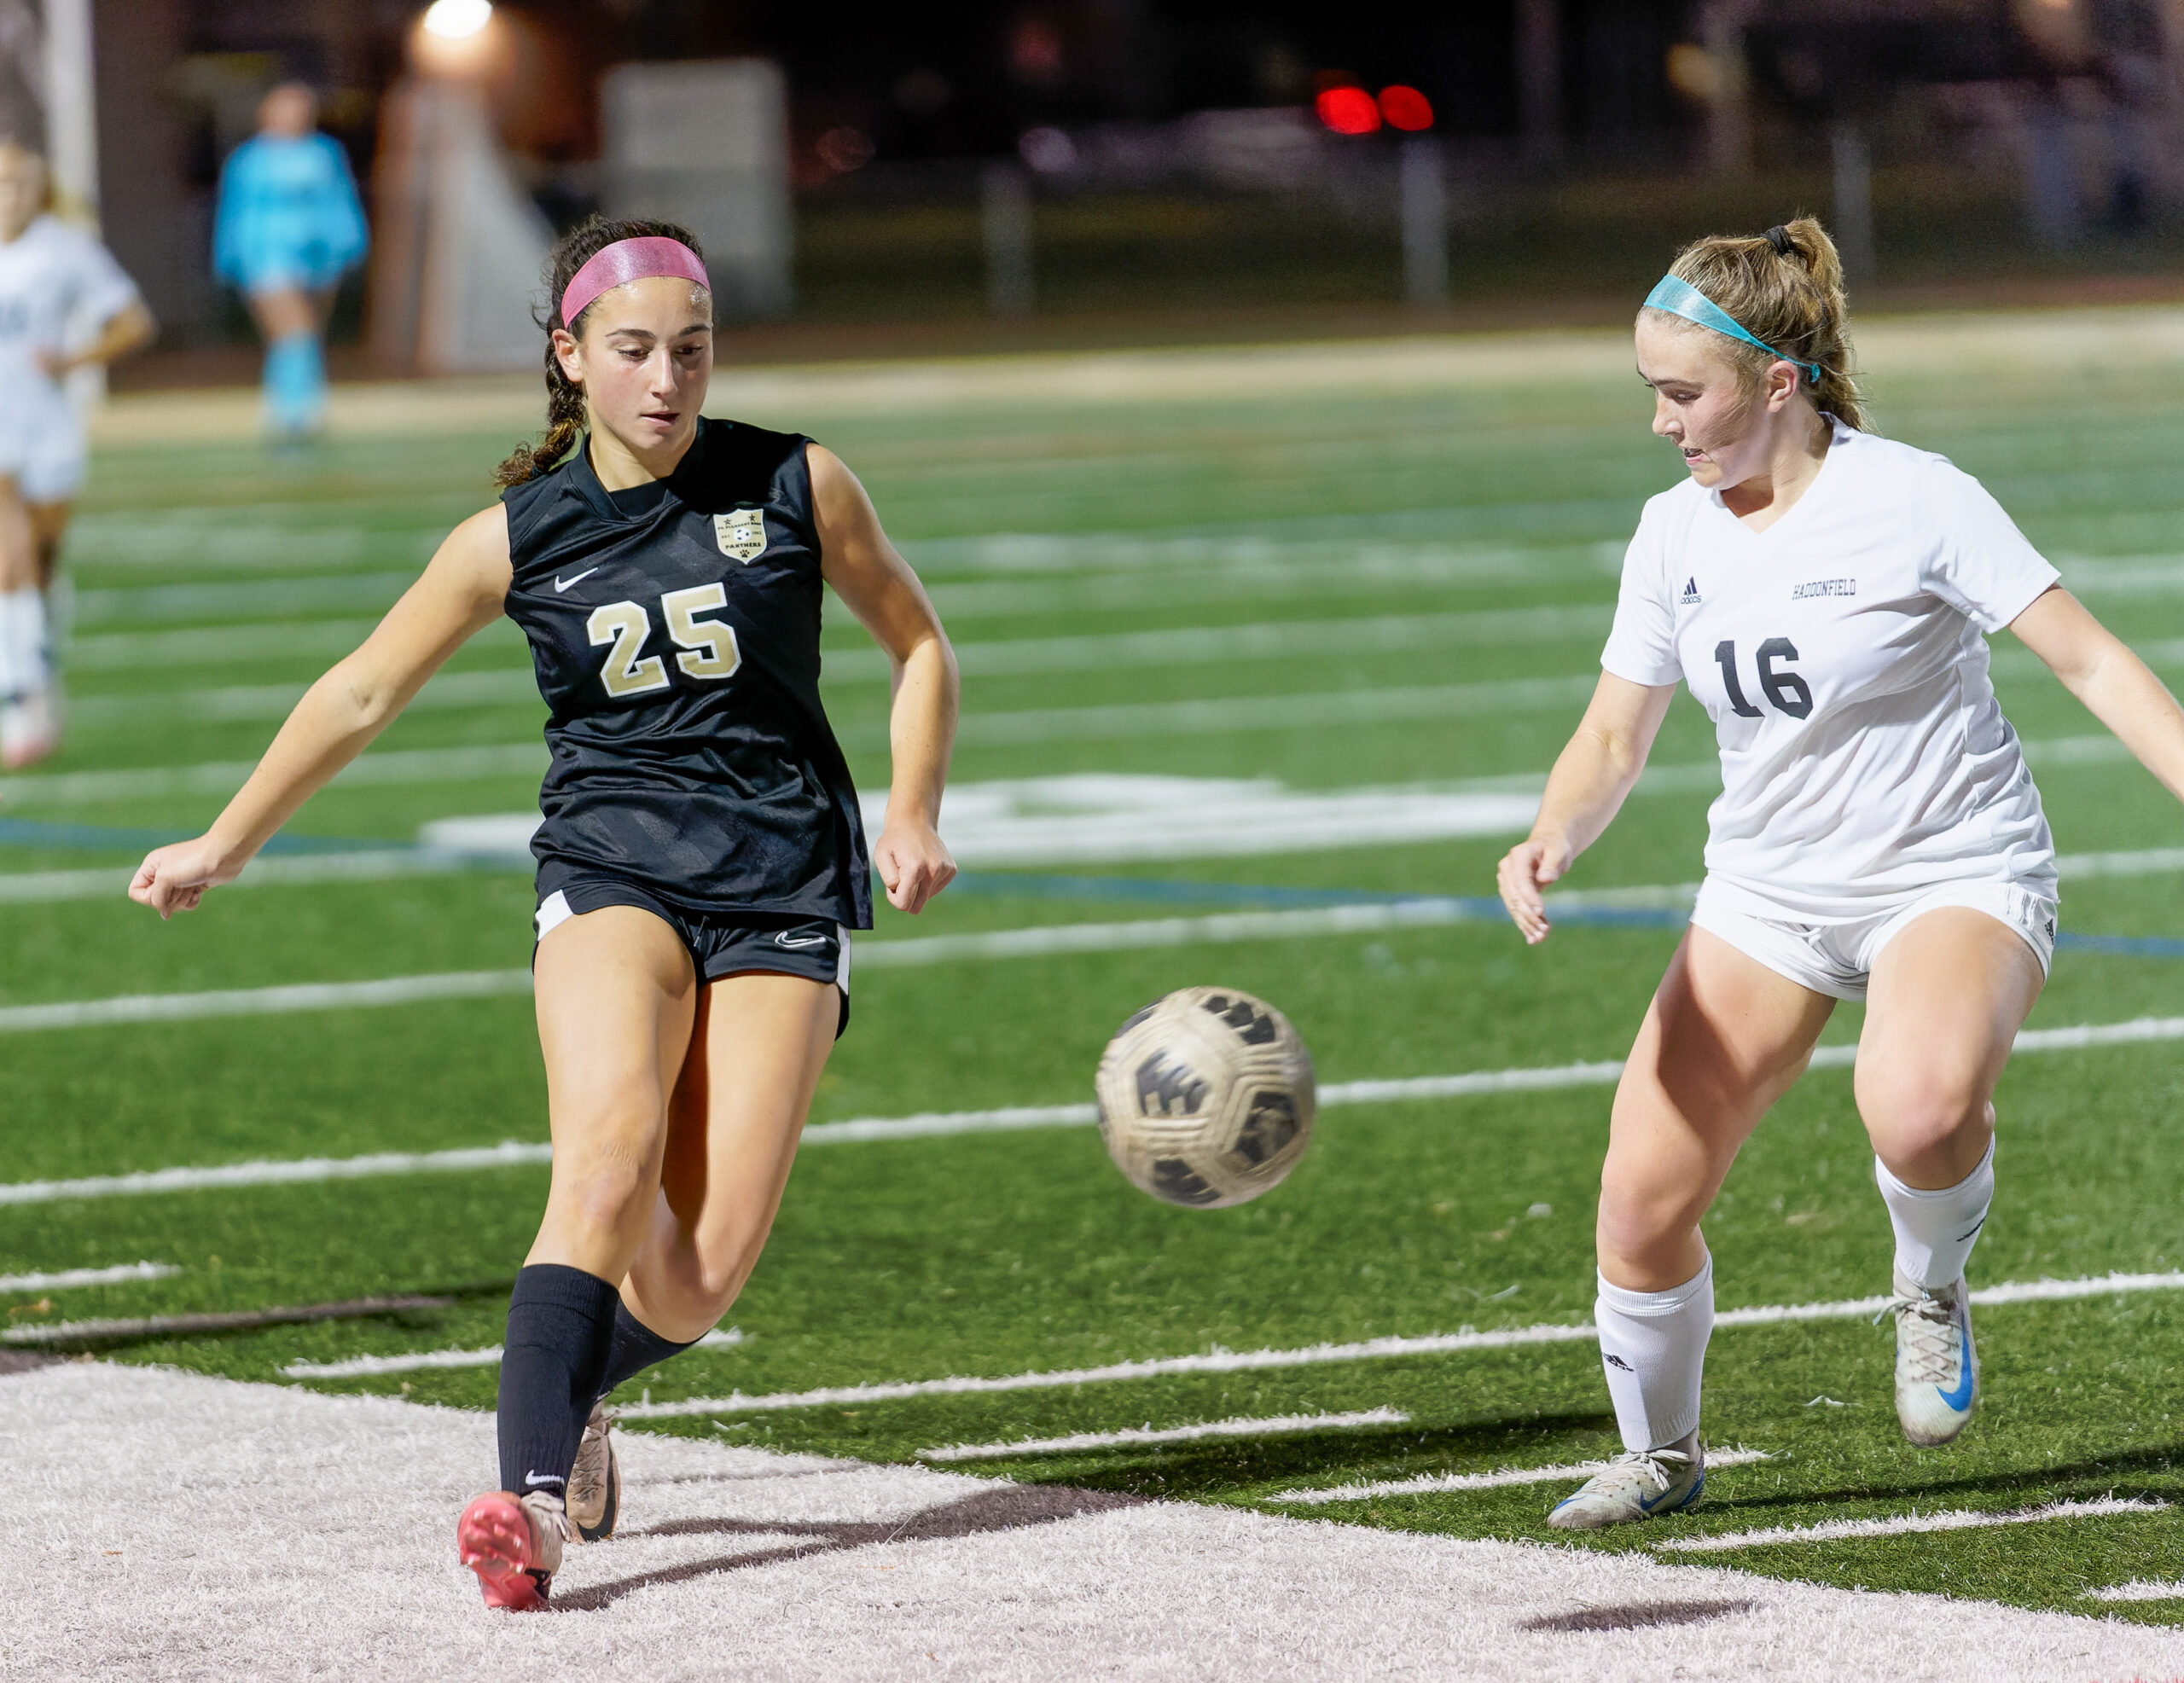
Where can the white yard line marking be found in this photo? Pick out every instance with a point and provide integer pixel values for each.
(244, 703)
(2139, 1589)
(1332, 710)
(1219, 1360)
(68, 1276)
(1910, 1525)
(360, 1366)
(42, 888)
(1104, 818)
(292, 1171)
(230, 646)
(1272, 1426)
(398, 767)
(263, 1002)
(1435, 1483)
(1011, 1118)
(1007, 1119)
(266, 598)
(1335, 1094)
(405, 766)
(1198, 645)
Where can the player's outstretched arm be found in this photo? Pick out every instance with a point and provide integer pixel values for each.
(461, 591)
(2096, 666)
(881, 590)
(1586, 789)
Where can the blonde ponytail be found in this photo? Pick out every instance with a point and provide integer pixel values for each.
(1784, 287)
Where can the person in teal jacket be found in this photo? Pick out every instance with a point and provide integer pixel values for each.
(289, 225)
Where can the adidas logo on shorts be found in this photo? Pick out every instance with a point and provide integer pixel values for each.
(1690, 591)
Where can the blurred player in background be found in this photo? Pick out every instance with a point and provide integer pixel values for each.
(288, 227)
(702, 858)
(1826, 594)
(64, 305)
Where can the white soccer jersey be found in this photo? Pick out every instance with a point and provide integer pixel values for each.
(55, 283)
(53, 279)
(1840, 654)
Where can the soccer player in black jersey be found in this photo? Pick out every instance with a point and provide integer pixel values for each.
(701, 860)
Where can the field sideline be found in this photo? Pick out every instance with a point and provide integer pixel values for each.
(1266, 652)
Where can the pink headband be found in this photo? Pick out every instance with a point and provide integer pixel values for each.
(631, 260)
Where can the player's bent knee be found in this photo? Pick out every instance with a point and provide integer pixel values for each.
(607, 1202)
(1922, 1111)
(1646, 1231)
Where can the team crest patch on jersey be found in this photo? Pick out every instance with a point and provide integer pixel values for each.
(741, 533)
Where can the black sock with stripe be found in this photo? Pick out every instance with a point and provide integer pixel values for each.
(636, 1347)
(561, 1336)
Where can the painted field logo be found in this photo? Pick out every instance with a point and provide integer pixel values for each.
(741, 533)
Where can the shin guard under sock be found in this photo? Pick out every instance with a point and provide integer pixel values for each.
(1653, 1350)
(560, 1332)
(636, 1347)
(1935, 1231)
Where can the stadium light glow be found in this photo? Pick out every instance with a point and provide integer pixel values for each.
(457, 19)
(1406, 108)
(1348, 111)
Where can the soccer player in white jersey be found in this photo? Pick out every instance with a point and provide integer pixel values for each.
(1826, 594)
(57, 283)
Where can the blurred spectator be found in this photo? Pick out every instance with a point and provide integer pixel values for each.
(288, 227)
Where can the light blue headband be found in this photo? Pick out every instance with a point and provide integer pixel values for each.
(1681, 297)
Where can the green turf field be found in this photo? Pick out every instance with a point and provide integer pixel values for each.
(214, 581)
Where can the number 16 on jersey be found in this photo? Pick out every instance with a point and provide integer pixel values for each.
(1789, 693)
(709, 651)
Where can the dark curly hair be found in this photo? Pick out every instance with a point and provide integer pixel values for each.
(564, 398)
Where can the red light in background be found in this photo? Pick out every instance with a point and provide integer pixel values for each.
(1348, 111)
(1406, 108)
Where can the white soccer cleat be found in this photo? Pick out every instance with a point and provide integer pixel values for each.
(1635, 1486)
(595, 1481)
(29, 729)
(1937, 1365)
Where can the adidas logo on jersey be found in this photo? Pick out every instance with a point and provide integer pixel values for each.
(1690, 591)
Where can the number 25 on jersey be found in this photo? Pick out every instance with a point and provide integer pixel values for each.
(709, 651)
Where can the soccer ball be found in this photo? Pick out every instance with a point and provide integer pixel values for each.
(1206, 1098)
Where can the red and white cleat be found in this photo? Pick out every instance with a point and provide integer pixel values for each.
(514, 1544)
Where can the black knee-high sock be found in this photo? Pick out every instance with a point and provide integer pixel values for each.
(636, 1347)
(560, 1330)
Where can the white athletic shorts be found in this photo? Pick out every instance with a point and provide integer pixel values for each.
(1837, 959)
(42, 450)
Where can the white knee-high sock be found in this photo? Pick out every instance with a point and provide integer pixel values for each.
(1654, 1350)
(23, 655)
(1935, 1231)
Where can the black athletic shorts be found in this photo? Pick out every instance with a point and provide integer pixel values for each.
(719, 945)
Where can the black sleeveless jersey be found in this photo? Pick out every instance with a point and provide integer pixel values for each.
(677, 645)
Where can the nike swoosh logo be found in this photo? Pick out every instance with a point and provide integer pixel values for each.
(562, 584)
(782, 940)
(537, 1478)
(1690, 1500)
(1961, 1399)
